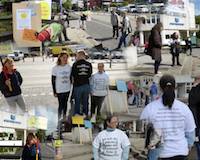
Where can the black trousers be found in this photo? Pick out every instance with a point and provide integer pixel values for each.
(115, 31)
(177, 59)
(96, 102)
(156, 66)
(62, 100)
(175, 158)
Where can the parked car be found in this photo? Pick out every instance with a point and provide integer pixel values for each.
(16, 55)
(132, 8)
(142, 9)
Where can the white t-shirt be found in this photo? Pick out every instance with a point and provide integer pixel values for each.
(111, 144)
(173, 123)
(99, 83)
(62, 74)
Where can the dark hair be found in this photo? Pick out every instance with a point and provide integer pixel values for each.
(29, 138)
(61, 55)
(167, 84)
(107, 120)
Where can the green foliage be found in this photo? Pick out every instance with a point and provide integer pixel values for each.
(197, 19)
(125, 3)
(67, 4)
(40, 135)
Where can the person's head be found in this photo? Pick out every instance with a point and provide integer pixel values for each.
(158, 27)
(111, 122)
(197, 80)
(167, 84)
(30, 140)
(174, 35)
(62, 58)
(101, 67)
(8, 64)
(80, 55)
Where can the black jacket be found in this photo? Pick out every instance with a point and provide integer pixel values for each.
(194, 103)
(29, 153)
(81, 72)
(16, 81)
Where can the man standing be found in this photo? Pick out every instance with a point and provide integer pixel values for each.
(81, 72)
(125, 29)
(194, 104)
(115, 23)
(99, 84)
(111, 143)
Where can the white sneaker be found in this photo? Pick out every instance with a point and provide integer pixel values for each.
(93, 119)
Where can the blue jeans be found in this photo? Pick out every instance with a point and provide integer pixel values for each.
(81, 96)
(122, 40)
(153, 154)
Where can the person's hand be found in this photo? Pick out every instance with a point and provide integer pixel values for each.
(55, 95)
(7, 82)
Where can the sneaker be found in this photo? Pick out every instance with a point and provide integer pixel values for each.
(93, 119)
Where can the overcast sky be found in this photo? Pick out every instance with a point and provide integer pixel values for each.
(197, 7)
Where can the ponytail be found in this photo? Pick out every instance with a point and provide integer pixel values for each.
(168, 96)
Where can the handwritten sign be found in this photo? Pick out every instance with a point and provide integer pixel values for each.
(77, 120)
(121, 86)
(29, 35)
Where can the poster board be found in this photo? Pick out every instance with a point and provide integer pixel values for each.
(26, 20)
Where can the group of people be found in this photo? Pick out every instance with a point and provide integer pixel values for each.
(124, 25)
(84, 84)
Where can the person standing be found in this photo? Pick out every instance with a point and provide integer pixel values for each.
(175, 122)
(175, 48)
(111, 143)
(80, 75)
(155, 45)
(115, 23)
(99, 85)
(31, 149)
(125, 30)
(61, 83)
(83, 18)
(147, 93)
(194, 104)
(188, 45)
(153, 91)
(10, 86)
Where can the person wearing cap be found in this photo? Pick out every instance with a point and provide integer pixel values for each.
(10, 86)
(194, 104)
(175, 122)
(80, 75)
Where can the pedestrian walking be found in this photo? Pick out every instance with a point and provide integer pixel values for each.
(175, 48)
(80, 75)
(147, 93)
(115, 23)
(83, 18)
(61, 83)
(10, 86)
(31, 150)
(173, 122)
(125, 30)
(155, 45)
(194, 104)
(153, 91)
(99, 85)
(111, 143)
(188, 43)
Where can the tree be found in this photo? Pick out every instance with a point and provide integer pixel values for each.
(67, 4)
(197, 18)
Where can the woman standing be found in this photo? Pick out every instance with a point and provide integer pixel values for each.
(175, 122)
(10, 85)
(31, 149)
(175, 48)
(61, 83)
(155, 45)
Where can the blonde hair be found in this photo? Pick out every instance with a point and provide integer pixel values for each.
(8, 60)
(60, 56)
